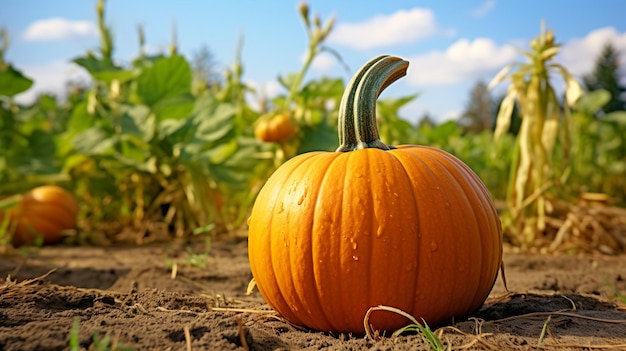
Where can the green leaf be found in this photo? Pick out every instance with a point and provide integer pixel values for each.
(177, 107)
(288, 80)
(103, 69)
(166, 78)
(321, 137)
(214, 124)
(618, 117)
(324, 88)
(138, 122)
(222, 152)
(12, 81)
(591, 102)
(94, 141)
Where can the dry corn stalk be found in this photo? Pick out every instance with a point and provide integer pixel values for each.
(532, 170)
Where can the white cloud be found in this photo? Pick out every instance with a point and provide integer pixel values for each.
(324, 62)
(401, 27)
(579, 55)
(484, 8)
(451, 115)
(463, 60)
(59, 29)
(51, 78)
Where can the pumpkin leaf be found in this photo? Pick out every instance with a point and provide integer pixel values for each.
(176, 107)
(12, 81)
(166, 78)
(137, 121)
(103, 69)
(94, 141)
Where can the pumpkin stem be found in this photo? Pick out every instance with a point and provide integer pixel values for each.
(357, 111)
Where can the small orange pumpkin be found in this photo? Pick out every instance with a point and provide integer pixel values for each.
(275, 129)
(44, 212)
(332, 234)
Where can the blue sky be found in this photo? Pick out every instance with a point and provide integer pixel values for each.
(450, 44)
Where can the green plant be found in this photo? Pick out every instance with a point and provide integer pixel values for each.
(27, 135)
(333, 233)
(598, 155)
(143, 149)
(614, 291)
(533, 169)
(545, 329)
(434, 341)
(97, 343)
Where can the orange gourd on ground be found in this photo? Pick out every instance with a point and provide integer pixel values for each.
(44, 212)
(276, 128)
(332, 234)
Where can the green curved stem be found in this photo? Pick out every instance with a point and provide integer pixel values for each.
(357, 111)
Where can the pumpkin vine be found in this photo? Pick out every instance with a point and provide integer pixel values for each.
(357, 111)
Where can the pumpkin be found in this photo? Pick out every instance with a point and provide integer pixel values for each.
(332, 234)
(275, 128)
(44, 212)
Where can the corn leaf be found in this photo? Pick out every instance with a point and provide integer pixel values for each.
(503, 120)
(573, 90)
(526, 154)
(500, 76)
(550, 52)
(551, 124)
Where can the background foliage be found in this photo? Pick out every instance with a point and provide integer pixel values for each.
(165, 145)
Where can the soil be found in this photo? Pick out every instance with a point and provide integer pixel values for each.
(129, 298)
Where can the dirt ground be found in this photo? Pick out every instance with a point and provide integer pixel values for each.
(128, 296)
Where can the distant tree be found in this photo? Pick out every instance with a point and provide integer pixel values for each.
(606, 75)
(478, 115)
(426, 121)
(204, 67)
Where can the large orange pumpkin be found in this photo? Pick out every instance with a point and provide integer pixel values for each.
(412, 227)
(44, 212)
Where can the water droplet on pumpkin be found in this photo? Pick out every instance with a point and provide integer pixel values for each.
(355, 258)
(281, 207)
(302, 196)
(380, 231)
(354, 244)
